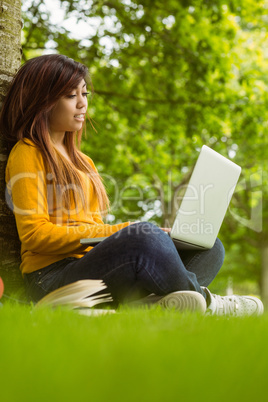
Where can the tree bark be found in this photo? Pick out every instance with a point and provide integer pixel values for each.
(10, 59)
(264, 274)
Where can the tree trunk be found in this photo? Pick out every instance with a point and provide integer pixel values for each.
(264, 274)
(10, 58)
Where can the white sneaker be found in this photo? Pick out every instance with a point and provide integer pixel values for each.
(233, 305)
(185, 300)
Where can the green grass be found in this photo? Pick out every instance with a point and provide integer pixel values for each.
(134, 355)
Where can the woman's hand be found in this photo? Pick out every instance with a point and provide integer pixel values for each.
(167, 230)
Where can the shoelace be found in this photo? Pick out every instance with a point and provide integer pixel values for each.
(226, 304)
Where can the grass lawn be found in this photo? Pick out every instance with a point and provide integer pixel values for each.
(134, 355)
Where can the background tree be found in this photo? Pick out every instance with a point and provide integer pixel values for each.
(169, 77)
(10, 57)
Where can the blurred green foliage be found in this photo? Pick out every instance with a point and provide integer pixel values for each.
(169, 77)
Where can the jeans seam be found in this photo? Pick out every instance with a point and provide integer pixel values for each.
(196, 257)
(119, 266)
(153, 280)
(139, 269)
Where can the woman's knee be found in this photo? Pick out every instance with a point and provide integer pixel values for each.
(145, 231)
(145, 235)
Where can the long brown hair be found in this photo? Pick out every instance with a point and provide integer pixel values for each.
(34, 91)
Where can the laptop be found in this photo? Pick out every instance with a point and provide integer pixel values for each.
(204, 203)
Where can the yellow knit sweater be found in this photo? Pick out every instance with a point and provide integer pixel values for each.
(47, 231)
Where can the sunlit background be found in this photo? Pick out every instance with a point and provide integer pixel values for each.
(169, 77)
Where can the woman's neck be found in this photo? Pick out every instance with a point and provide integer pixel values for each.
(57, 140)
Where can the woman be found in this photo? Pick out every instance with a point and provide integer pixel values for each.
(58, 198)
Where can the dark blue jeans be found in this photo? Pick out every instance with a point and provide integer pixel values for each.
(136, 261)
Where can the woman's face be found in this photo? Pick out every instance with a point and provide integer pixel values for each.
(69, 113)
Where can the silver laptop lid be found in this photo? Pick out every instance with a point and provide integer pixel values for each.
(205, 201)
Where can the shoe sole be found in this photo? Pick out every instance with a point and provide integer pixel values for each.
(259, 306)
(260, 309)
(184, 301)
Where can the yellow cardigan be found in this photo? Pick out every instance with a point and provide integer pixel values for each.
(46, 231)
